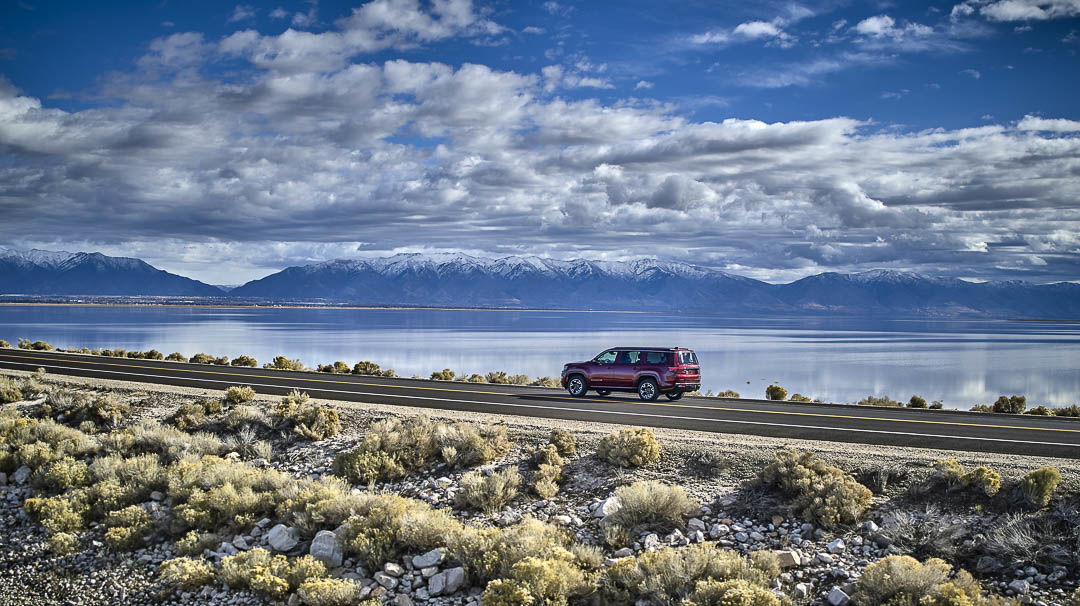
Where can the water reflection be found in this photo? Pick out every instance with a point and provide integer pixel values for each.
(959, 362)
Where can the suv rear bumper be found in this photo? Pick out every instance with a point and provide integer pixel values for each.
(685, 386)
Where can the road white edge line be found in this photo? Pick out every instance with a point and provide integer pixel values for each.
(562, 408)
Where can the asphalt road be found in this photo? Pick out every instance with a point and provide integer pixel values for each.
(954, 430)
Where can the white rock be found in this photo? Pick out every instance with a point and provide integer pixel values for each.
(326, 549)
(607, 507)
(563, 519)
(386, 580)
(446, 582)
(282, 538)
(718, 530)
(625, 552)
(652, 541)
(802, 590)
(695, 524)
(21, 475)
(392, 569)
(788, 559)
(836, 546)
(429, 572)
(240, 543)
(1020, 586)
(870, 526)
(431, 558)
(824, 558)
(837, 597)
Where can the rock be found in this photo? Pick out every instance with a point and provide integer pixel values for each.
(777, 520)
(429, 572)
(718, 530)
(282, 538)
(326, 549)
(509, 517)
(837, 597)
(446, 582)
(836, 546)
(652, 541)
(563, 519)
(157, 495)
(386, 580)
(3, 479)
(392, 569)
(788, 559)
(757, 536)
(1020, 586)
(607, 507)
(21, 475)
(742, 537)
(240, 543)
(824, 558)
(695, 524)
(429, 559)
(697, 536)
(987, 564)
(870, 526)
(403, 600)
(802, 590)
(625, 552)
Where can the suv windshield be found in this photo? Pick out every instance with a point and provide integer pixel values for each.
(608, 357)
(687, 357)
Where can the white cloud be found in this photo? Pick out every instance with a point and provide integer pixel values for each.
(747, 31)
(1059, 125)
(1019, 10)
(242, 12)
(971, 73)
(306, 152)
(536, 31)
(643, 84)
(279, 13)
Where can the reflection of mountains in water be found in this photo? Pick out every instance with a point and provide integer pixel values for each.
(458, 280)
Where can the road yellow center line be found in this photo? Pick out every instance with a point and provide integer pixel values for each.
(565, 399)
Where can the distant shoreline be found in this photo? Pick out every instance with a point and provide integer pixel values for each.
(334, 307)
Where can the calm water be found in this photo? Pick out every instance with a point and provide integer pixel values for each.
(959, 362)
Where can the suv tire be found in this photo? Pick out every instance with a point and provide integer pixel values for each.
(648, 390)
(577, 386)
(674, 395)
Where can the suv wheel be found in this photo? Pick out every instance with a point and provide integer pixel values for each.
(647, 390)
(675, 395)
(576, 386)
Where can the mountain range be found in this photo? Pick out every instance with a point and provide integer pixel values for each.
(459, 280)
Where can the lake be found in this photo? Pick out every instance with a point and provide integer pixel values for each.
(961, 362)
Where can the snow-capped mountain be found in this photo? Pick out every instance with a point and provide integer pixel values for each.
(459, 280)
(517, 281)
(43, 272)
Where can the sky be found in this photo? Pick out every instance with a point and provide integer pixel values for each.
(773, 140)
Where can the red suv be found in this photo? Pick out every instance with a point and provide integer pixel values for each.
(649, 371)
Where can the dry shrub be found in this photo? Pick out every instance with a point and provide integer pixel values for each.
(775, 392)
(563, 440)
(904, 581)
(246, 361)
(1037, 487)
(239, 417)
(488, 493)
(187, 573)
(666, 575)
(635, 447)
(239, 394)
(393, 447)
(271, 575)
(648, 505)
(443, 375)
(306, 418)
(330, 592)
(953, 475)
(820, 493)
(534, 580)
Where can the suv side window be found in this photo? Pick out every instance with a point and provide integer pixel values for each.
(656, 357)
(608, 357)
(630, 357)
